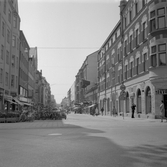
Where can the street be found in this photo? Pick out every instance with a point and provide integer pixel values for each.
(84, 141)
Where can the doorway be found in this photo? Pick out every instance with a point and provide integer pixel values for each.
(165, 104)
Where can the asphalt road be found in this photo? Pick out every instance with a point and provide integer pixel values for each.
(84, 141)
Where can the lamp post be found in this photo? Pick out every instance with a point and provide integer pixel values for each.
(122, 87)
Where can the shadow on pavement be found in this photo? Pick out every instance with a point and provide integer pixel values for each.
(76, 147)
(151, 155)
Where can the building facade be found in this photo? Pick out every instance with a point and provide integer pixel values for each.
(136, 49)
(9, 53)
(86, 78)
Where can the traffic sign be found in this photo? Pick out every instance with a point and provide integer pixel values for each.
(122, 87)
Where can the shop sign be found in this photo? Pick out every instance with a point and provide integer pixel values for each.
(161, 91)
(23, 99)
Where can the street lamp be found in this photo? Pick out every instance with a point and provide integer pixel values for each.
(122, 87)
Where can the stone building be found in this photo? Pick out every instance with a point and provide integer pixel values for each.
(136, 53)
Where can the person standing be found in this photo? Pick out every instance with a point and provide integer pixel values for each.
(102, 110)
(133, 109)
(162, 111)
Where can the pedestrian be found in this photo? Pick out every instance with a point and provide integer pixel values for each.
(102, 110)
(114, 111)
(133, 109)
(97, 111)
(162, 111)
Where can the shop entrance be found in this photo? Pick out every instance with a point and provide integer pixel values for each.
(165, 104)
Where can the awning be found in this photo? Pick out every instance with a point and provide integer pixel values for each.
(10, 101)
(17, 101)
(92, 105)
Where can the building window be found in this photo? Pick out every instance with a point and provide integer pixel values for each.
(6, 79)
(14, 41)
(161, 22)
(7, 57)
(152, 25)
(130, 15)
(3, 29)
(162, 54)
(137, 66)
(136, 8)
(137, 37)
(143, 3)
(131, 43)
(15, 22)
(2, 51)
(126, 70)
(4, 8)
(161, 11)
(17, 62)
(8, 36)
(162, 59)
(144, 62)
(131, 68)
(125, 22)
(153, 49)
(119, 76)
(1, 75)
(9, 16)
(144, 31)
(12, 81)
(13, 60)
(153, 60)
(16, 82)
(125, 48)
(118, 54)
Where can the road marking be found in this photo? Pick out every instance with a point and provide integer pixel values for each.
(55, 134)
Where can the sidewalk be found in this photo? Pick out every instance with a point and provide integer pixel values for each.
(121, 118)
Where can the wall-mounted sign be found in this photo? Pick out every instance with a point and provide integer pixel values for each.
(161, 91)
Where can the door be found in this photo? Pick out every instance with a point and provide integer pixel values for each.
(165, 104)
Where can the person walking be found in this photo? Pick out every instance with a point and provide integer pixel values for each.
(114, 111)
(133, 109)
(162, 111)
(102, 110)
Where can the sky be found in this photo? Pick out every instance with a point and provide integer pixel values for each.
(65, 32)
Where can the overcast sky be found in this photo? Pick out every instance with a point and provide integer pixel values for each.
(65, 32)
